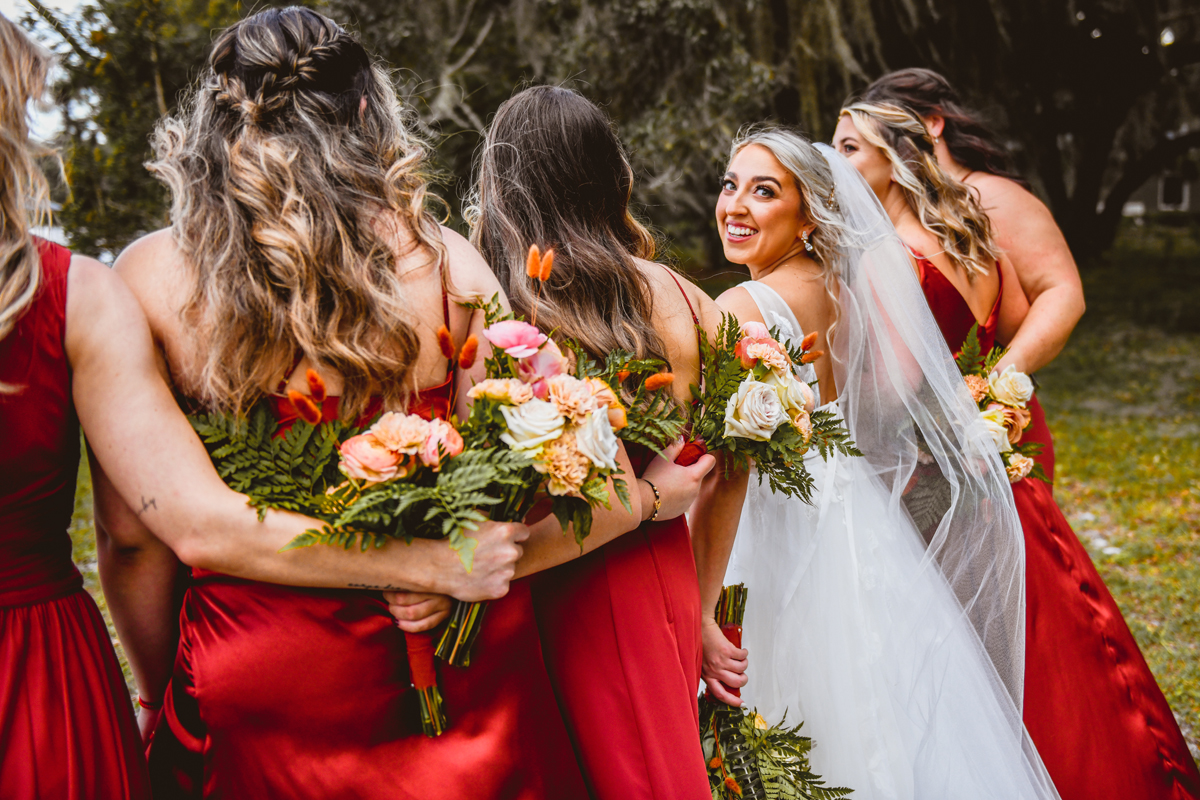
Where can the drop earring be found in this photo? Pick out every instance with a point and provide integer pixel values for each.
(808, 246)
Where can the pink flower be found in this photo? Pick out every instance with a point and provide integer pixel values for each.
(518, 339)
(401, 433)
(603, 393)
(755, 330)
(365, 458)
(440, 433)
(751, 350)
(549, 362)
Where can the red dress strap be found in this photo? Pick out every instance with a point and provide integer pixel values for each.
(695, 319)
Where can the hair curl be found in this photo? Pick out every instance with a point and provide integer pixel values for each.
(947, 208)
(969, 140)
(291, 167)
(552, 172)
(24, 192)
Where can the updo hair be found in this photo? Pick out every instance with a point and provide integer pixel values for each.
(818, 194)
(292, 170)
(24, 192)
(970, 141)
(946, 207)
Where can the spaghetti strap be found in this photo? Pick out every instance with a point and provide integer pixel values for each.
(695, 319)
(287, 376)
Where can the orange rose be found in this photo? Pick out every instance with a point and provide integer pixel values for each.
(365, 458)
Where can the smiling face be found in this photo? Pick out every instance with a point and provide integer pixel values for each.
(868, 159)
(760, 210)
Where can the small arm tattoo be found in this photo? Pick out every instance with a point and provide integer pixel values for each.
(147, 505)
(376, 588)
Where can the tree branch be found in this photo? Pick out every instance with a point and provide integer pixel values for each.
(1137, 174)
(474, 48)
(50, 19)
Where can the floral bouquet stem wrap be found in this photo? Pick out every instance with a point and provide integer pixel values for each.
(746, 757)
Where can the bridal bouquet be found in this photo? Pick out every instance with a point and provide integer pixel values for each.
(1003, 399)
(746, 757)
(399, 477)
(754, 408)
(561, 414)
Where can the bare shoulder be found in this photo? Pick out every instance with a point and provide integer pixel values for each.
(152, 267)
(1005, 199)
(470, 275)
(739, 302)
(99, 307)
(667, 282)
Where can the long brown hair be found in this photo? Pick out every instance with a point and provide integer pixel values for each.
(947, 208)
(24, 193)
(289, 166)
(969, 139)
(552, 172)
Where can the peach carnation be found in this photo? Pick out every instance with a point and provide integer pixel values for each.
(567, 468)
(977, 386)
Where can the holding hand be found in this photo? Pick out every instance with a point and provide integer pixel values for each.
(497, 551)
(417, 611)
(678, 486)
(724, 664)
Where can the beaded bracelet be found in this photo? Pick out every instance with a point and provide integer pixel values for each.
(657, 501)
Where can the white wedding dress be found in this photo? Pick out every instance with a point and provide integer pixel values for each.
(869, 632)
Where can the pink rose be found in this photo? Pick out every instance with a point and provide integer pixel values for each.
(751, 350)
(440, 433)
(365, 458)
(518, 339)
(401, 433)
(755, 330)
(549, 362)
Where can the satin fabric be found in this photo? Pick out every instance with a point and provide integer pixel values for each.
(1092, 706)
(305, 693)
(620, 630)
(66, 723)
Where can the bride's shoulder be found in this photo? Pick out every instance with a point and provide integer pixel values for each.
(741, 304)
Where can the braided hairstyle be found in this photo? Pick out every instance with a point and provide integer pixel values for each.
(947, 208)
(929, 94)
(291, 170)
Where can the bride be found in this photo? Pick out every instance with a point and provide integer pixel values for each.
(888, 615)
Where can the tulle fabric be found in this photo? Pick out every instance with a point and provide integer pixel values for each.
(899, 642)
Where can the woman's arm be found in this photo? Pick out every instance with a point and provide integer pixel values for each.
(1026, 231)
(161, 471)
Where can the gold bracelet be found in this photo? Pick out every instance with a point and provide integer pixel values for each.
(657, 501)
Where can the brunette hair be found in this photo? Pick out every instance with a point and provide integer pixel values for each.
(929, 94)
(947, 208)
(290, 166)
(552, 173)
(24, 193)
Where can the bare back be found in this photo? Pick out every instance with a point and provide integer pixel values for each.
(154, 269)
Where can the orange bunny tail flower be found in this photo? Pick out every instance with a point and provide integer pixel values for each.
(547, 266)
(533, 264)
(306, 409)
(316, 386)
(808, 342)
(714, 762)
(470, 349)
(659, 380)
(732, 785)
(812, 356)
(446, 342)
(622, 375)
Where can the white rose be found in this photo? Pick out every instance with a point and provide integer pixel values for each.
(530, 425)
(754, 412)
(794, 394)
(993, 420)
(1012, 388)
(596, 440)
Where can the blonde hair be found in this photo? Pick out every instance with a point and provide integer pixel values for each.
(947, 208)
(288, 165)
(24, 193)
(813, 177)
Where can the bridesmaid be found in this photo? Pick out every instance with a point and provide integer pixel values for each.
(68, 326)
(1092, 707)
(620, 624)
(1046, 294)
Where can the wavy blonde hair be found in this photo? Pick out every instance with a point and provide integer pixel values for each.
(24, 192)
(947, 208)
(289, 166)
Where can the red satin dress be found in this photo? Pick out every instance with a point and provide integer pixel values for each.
(285, 692)
(620, 632)
(1092, 706)
(66, 722)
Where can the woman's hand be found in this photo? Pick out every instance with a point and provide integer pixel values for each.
(416, 611)
(677, 486)
(723, 663)
(147, 720)
(497, 550)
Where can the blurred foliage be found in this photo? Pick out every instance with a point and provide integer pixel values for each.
(1094, 96)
